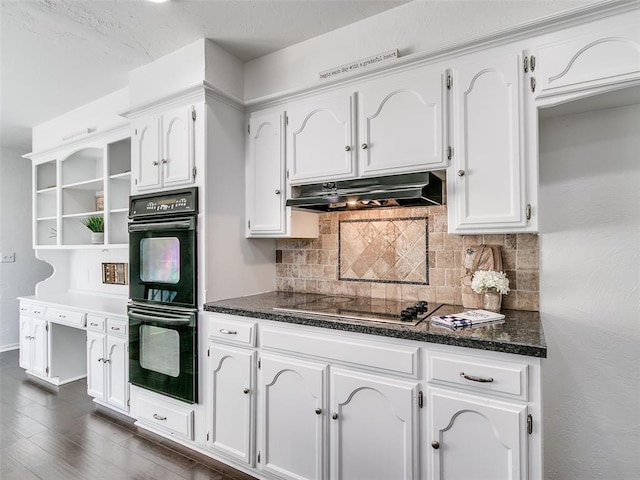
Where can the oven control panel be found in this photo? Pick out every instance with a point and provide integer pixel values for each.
(164, 203)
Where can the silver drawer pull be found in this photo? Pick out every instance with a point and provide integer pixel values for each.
(93, 324)
(117, 329)
(62, 316)
(159, 417)
(228, 332)
(37, 312)
(473, 378)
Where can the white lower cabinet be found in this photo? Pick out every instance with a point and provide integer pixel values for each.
(230, 401)
(108, 364)
(34, 340)
(369, 432)
(293, 417)
(374, 427)
(474, 437)
(294, 402)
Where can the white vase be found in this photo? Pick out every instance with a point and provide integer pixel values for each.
(97, 237)
(492, 301)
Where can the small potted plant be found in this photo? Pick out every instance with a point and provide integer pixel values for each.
(491, 285)
(96, 225)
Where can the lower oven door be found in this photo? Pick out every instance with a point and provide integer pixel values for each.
(163, 351)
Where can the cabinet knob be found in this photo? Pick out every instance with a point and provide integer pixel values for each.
(334, 416)
(154, 163)
(106, 360)
(318, 411)
(435, 444)
(460, 173)
(347, 148)
(277, 191)
(245, 391)
(163, 161)
(364, 146)
(100, 359)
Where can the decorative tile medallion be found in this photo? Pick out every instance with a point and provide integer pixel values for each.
(393, 250)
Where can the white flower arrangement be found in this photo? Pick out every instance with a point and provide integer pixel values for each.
(488, 280)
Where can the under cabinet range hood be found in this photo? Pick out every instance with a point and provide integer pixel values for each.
(411, 189)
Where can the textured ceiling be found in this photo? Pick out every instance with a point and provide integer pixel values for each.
(57, 55)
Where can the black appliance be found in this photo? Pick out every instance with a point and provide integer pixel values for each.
(361, 308)
(163, 346)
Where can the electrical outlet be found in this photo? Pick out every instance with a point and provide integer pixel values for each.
(8, 257)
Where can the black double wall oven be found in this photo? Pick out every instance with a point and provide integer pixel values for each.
(163, 313)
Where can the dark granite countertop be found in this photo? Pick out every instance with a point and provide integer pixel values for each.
(520, 333)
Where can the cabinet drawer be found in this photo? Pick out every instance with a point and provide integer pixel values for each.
(96, 323)
(379, 356)
(66, 317)
(117, 326)
(176, 420)
(35, 311)
(226, 329)
(479, 374)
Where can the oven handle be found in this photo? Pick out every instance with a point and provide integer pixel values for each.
(151, 318)
(174, 225)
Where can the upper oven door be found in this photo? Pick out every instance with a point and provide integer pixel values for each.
(162, 262)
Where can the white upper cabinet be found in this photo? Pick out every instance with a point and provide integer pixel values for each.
(585, 59)
(391, 125)
(320, 139)
(267, 215)
(490, 171)
(400, 127)
(265, 173)
(163, 150)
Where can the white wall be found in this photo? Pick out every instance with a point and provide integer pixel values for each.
(17, 278)
(418, 26)
(590, 293)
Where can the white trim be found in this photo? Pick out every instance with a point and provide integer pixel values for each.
(194, 93)
(114, 133)
(8, 348)
(523, 31)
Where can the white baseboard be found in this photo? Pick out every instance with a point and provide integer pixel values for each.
(6, 348)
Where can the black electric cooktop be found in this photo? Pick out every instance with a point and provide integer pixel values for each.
(364, 308)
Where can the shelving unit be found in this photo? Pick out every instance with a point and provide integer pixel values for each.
(73, 185)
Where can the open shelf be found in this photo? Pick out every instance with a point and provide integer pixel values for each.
(93, 181)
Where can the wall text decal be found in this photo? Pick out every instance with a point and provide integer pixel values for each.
(359, 64)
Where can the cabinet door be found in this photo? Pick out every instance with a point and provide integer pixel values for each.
(25, 340)
(476, 438)
(401, 124)
(231, 386)
(486, 178)
(40, 350)
(177, 147)
(374, 427)
(95, 365)
(145, 155)
(293, 418)
(596, 55)
(320, 140)
(265, 177)
(117, 372)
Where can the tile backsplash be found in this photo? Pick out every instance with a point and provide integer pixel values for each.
(400, 253)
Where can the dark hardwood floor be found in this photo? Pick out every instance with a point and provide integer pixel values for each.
(52, 432)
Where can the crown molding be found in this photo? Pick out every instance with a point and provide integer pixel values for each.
(113, 133)
(524, 31)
